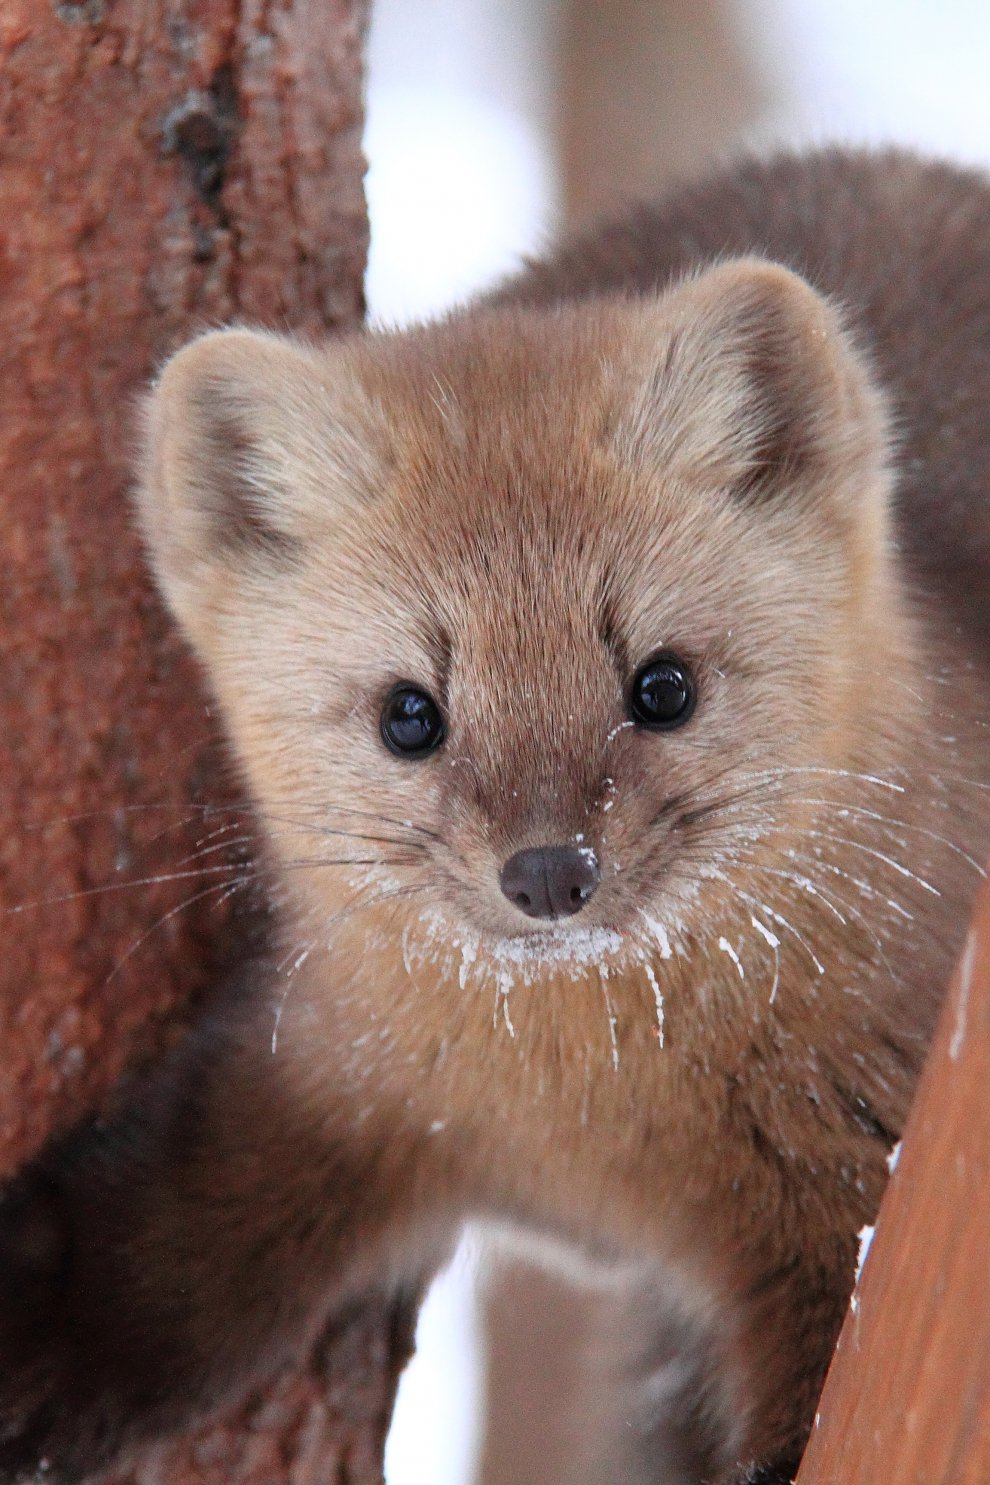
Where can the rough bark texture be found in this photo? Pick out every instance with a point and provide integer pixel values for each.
(164, 165)
(908, 1395)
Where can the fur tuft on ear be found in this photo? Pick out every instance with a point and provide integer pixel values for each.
(753, 387)
(250, 443)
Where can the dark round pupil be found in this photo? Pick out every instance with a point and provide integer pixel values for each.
(411, 721)
(662, 693)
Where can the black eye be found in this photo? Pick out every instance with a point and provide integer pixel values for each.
(411, 722)
(663, 693)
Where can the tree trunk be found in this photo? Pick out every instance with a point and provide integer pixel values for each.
(165, 165)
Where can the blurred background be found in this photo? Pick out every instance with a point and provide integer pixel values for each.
(492, 126)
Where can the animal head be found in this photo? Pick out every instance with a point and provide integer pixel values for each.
(523, 617)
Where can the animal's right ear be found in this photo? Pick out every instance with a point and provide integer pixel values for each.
(251, 443)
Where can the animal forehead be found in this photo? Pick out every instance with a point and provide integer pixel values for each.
(512, 398)
(583, 566)
(517, 583)
(505, 590)
(499, 359)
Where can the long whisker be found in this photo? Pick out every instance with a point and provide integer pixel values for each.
(890, 823)
(856, 845)
(850, 775)
(228, 868)
(225, 888)
(300, 955)
(202, 851)
(774, 916)
(189, 811)
(866, 889)
(838, 906)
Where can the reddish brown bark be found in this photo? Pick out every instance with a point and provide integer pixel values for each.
(908, 1396)
(164, 165)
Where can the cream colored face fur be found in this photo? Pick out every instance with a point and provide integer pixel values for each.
(513, 512)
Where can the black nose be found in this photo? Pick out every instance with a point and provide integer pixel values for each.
(550, 881)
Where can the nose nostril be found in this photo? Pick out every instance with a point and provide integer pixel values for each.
(550, 881)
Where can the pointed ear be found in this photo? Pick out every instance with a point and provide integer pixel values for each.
(753, 387)
(251, 443)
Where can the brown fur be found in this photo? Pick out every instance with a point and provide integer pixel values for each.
(700, 1078)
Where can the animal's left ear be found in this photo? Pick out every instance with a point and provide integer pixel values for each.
(749, 383)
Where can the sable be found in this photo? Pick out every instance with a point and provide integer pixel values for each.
(608, 665)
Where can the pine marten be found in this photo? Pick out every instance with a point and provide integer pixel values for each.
(607, 667)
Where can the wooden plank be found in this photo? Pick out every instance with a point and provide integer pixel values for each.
(907, 1398)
